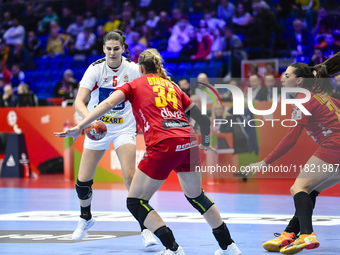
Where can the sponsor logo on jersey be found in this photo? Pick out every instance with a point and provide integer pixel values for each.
(112, 120)
(167, 114)
(183, 147)
(175, 124)
(126, 78)
(296, 114)
(105, 80)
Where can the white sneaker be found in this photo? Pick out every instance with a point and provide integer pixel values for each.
(166, 251)
(148, 239)
(81, 231)
(231, 250)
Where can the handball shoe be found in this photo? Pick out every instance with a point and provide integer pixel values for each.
(166, 251)
(148, 239)
(82, 228)
(279, 242)
(231, 250)
(308, 241)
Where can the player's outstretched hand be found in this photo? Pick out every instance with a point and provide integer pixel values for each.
(73, 132)
(208, 148)
(253, 168)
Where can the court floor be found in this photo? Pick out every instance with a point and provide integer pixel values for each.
(39, 221)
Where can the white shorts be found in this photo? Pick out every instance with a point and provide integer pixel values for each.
(117, 139)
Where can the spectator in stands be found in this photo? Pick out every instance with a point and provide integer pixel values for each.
(24, 89)
(325, 23)
(317, 58)
(152, 19)
(161, 33)
(258, 93)
(228, 96)
(128, 34)
(67, 18)
(184, 84)
(204, 46)
(190, 49)
(33, 44)
(6, 23)
(49, 16)
(217, 44)
(301, 43)
(2, 85)
(19, 55)
(112, 24)
(9, 99)
(309, 10)
(135, 43)
(253, 69)
(330, 47)
(98, 47)
(15, 34)
(232, 47)
(57, 43)
(17, 78)
(270, 69)
(176, 17)
(67, 87)
(285, 8)
(212, 22)
(137, 51)
(90, 20)
(54, 26)
(4, 51)
(29, 19)
(264, 25)
(336, 90)
(75, 28)
(5, 74)
(241, 20)
(145, 35)
(139, 22)
(225, 10)
(179, 36)
(126, 19)
(270, 82)
(219, 112)
(202, 78)
(85, 42)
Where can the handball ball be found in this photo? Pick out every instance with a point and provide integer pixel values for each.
(96, 130)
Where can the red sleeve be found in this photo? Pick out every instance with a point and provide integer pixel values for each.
(185, 101)
(298, 115)
(285, 145)
(127, 90)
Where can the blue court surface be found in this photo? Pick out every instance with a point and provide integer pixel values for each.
(41, 221)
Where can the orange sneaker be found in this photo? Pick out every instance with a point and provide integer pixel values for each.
(308, 241)
(279, 242)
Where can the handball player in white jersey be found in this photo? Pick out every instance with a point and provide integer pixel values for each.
(100, 80)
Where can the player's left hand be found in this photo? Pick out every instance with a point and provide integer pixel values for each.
(73, 132)
(254, 168)
(208, 148)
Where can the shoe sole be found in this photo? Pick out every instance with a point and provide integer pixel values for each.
(298, 248)
(150, 245)
(275, 247)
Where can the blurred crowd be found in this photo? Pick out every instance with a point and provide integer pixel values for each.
(191, 30)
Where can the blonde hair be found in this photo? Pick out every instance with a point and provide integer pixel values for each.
(152, 62)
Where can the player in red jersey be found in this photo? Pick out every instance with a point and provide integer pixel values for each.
(159, 107)
(323, 126)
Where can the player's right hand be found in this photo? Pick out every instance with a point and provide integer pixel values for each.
(73, 132)
(254, 168)
(208, 148)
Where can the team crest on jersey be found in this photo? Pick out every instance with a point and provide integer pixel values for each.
(126, 78)
(296, 114)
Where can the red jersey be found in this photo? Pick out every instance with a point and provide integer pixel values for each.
(323, 126)
(158, 106)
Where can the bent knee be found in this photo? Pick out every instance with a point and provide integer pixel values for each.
(298, 188)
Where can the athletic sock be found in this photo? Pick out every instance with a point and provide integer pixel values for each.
(222, 236)
(167, 238)
(304, 211)
(294, 224)
(142, 227)
(85, 212)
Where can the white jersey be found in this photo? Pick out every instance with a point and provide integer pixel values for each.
(102, 81)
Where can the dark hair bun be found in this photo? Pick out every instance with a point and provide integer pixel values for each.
(118, 32)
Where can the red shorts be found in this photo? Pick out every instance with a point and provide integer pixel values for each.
(330, 155)
(180, 154)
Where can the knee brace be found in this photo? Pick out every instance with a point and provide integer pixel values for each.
(139, 208)
(202, 203)
(84, 189)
